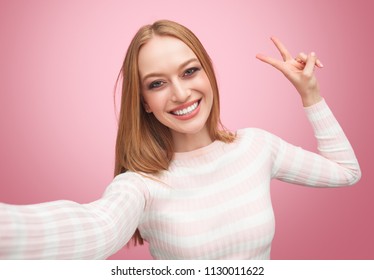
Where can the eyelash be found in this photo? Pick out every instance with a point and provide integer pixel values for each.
(153, 84)
(189, 72)
(193, 69)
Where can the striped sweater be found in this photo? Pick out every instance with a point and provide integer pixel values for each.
(212, 203)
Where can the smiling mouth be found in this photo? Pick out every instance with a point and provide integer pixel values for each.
(186, 111)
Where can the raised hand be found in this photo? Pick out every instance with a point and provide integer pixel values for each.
(299, 71)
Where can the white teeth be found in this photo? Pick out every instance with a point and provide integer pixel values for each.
(186, 110)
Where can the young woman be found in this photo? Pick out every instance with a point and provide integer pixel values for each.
(183, 183)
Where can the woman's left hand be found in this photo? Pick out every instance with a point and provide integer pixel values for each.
(299, 71)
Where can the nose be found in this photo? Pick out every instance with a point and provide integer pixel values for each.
(180, 93)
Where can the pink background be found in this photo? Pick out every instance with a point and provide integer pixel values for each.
(59, 61)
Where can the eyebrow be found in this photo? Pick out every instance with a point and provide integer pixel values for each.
(184, 64)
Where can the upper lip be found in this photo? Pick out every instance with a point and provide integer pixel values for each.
(185, 105)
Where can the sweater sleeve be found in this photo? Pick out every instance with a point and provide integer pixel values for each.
(68, 230)
(334, 165)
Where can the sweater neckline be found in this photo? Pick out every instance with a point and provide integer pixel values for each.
(198, 152)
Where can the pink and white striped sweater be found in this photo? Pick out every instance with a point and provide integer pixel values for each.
(212, 203)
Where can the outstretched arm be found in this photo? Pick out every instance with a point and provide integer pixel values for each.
(68, 230)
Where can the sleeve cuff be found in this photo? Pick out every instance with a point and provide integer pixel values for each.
(322, 119)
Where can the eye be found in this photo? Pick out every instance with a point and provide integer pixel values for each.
(190, 71)
(155, 84)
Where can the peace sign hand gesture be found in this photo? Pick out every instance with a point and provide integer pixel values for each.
(299, 71)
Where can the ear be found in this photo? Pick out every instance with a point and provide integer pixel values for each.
(146, 107)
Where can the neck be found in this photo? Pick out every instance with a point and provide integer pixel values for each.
(184, 142)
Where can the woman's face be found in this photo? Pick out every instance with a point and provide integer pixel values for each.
(174, 85)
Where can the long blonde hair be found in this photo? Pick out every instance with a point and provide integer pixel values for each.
(143, 144)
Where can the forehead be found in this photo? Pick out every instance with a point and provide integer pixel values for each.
(163, 53)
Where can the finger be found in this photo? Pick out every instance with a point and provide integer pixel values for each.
(269, 60)
(310, 63)
(302, 57)
(319, 63)
(282, 49)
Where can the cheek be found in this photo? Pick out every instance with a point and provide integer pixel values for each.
(204, 84)
(156, 100)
